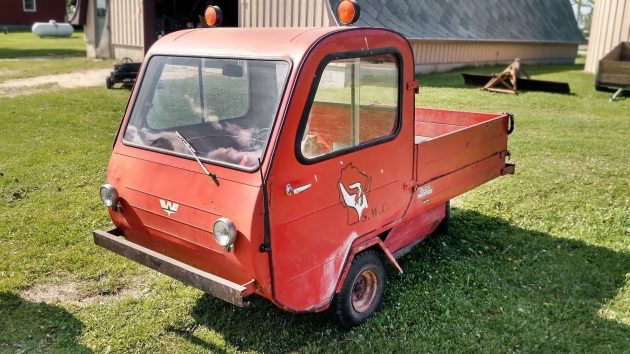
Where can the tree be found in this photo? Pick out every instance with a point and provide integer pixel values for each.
(71, 8)
(583, 13)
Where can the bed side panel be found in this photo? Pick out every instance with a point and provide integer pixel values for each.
(448, 153)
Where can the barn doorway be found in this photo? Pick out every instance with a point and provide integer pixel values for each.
(102, 41)
(162, 17)
(174, 15)
(230, 12)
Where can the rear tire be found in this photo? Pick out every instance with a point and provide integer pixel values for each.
(362, 291)
(443, 226)
(108, 83)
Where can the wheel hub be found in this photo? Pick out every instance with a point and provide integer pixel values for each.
(364, 290)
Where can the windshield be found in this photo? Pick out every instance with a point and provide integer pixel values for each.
(224, 108)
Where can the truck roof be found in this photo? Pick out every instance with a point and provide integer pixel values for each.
(242, 42)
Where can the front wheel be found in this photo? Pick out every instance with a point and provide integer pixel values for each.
(362, 291)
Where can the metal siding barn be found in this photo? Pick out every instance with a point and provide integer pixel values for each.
(127, 24)
(97, 30)
(444, 34)
(285, 13)
(610, 26)
(449, 33)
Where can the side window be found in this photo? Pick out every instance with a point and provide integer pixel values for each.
(29, 5)
(356, 102)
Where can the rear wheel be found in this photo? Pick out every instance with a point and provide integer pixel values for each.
(362, 291)
(108, 83)
(443, 226)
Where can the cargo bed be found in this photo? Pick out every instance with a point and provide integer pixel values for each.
(458, 151)
(613, 71)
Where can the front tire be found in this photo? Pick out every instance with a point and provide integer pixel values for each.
(362, 291)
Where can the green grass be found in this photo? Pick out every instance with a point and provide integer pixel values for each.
(24, 55)
(535, 262)
(25, 68)
(26, 44)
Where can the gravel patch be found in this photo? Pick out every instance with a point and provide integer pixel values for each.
(20, 87)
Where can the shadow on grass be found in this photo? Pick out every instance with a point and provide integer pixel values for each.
(10, 53)
(37, 327)
(505, 286)
(210, 347)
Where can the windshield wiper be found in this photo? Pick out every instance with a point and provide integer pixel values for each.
(194, 153)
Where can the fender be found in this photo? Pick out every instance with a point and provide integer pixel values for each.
(362, 246)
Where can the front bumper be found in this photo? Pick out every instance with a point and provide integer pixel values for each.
(204, 281)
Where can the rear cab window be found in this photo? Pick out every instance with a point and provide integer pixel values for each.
(225, 108)
(355, 103)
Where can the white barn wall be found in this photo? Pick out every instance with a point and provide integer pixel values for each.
(127, 29)
(436, 56)
(88, 31)
(127, 36)
(284, 13)
(610, 26)
(430, 56)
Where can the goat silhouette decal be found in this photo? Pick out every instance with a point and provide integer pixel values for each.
(354, 186)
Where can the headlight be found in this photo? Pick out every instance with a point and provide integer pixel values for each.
(224, 232)
(109, 195)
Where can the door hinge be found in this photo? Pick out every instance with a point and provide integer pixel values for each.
(414, 85)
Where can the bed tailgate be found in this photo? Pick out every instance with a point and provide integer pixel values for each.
(458, 151)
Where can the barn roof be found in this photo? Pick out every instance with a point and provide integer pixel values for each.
(477, 20)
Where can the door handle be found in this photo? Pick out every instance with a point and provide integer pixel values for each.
(295, 191)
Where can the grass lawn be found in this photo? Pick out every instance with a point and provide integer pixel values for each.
(26, 44)
(535, 262)
(24, 55)
(25, 68)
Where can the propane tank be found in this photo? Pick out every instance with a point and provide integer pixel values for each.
(52, 29)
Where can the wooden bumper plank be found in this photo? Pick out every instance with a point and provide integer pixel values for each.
(204, 281)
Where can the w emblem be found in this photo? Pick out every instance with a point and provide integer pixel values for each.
(168, 206)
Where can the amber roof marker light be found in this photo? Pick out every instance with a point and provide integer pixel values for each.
(213, 16)
(348, 12)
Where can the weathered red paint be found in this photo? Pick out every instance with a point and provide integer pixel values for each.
(12, 12)
(436, 156)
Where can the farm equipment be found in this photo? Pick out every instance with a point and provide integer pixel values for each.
(289, 163)
(513, 79)
(613, 72)
(124, 73)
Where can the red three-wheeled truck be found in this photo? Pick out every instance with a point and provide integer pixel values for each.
(290, 163)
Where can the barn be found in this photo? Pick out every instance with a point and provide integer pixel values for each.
(444, 33)
(610, 26)
(26, 12)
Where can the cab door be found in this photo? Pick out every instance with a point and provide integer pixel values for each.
(340, 168)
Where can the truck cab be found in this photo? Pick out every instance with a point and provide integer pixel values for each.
(289, 163)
